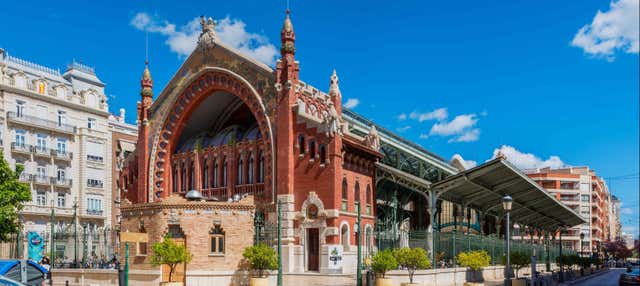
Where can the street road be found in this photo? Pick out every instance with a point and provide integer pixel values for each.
(608, 279)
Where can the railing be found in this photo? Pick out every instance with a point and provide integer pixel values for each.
(219, 194)
(249, 189)
(42, 151)
(94, 183)
(24, 177)
(63, 155)
(25, 148)
(36, 121)
(61, 182)
(43, 180)
(31, 208)
(94, 212)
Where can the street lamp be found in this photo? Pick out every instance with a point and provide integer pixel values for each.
(506, 204)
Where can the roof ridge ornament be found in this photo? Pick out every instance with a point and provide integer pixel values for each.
(208, 35)
(334, 86)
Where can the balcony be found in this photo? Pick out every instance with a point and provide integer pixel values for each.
(218, 194)
(95, 212)
(24, 178)
(62, 155)
(20, 148)
(34, 121)
(46, 210)
(41, 180)
(94, 183)
(41, 151)
(61, 182)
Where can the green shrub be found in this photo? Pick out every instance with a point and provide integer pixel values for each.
(169, 253)
(412, 259)
(383, 261)
(519, 260)
(475, 260)
(261, 257)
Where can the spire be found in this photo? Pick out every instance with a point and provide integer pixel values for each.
(334, 88)
(146, 82)
(287, 37)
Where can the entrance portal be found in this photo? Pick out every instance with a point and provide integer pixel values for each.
(313, 249)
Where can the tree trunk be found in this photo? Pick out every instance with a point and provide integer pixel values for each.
(171, 267)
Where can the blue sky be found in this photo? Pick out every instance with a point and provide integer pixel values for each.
(550, 82)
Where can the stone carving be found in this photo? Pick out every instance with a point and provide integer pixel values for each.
(208, 36)
(372, 140)
(332, 122)
(334, 88)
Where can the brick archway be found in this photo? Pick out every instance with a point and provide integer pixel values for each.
(205, 84)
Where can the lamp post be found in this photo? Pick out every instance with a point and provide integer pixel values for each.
(506, 204)
(359, 256)
(52, 255)
(75, 231)
(581, 244)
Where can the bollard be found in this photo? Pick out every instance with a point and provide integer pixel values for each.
(66, 283)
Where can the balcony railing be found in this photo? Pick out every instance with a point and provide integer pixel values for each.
(94, 183)
(249, 189)
(32, 208)
(19, 147)
(219, 194)
(95, 212)
(39, 122)
(61, 182)
(24, 177)
(42, 180)
(62, 155)
(42, 151)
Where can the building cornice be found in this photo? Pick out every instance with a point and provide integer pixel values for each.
(34, 95)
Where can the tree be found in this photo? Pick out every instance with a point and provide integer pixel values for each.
(169, 253)
(618, 249)
(13, 195)
(383, 261)
(519, 260)
(475, 260)
(412, 259)
(261, 257)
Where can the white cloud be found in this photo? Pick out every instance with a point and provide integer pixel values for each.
(351, 103)
(626, 211)
(402, 116)
(232, 32)
(438, 114)
(403, 129)
(615, 30)
(467, 164)
(527, 160)
(468, 136)
(424, 136)
(456, 126)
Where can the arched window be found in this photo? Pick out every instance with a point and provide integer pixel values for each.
(323, 154)
(192, 176)
(312, 149)
(261, 168)
(369, 199)
(184, 177)
(224, 172)
(344, 236)
(175, 178)
(205, 174)
(250, 170)
(344, 194)
(216, 182)
(216, 239)
(301, 144)
(240, 170)
(356, 193)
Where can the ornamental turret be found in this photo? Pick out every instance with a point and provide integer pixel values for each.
(287, 38)
(334, 91)
(146, 94)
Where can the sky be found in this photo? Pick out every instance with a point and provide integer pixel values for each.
(548, 83)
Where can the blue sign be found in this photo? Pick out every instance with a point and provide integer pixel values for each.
(36, 246)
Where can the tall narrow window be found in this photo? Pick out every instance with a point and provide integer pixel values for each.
(41, 198)
(62, 146)
(61, 200)
(40, 172)
(175, 178)
(369, 199)
(20, 108)
(20, 137)
(250, 170)
(240, 170)
(344, 194)
(61, 175)
(192, 176)
(312, 149)
(205, 174)
(62, 118)
(216, 182)
(224, 172)
(323, 153)
(184, 177)
(301, 143)
(261, 168)
(92, 123)
(216, 239)
(41, 143)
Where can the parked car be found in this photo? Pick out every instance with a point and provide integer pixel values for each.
(631, 277)
(5, 281)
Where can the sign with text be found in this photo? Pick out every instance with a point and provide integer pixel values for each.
(134, 237)
(335, 257)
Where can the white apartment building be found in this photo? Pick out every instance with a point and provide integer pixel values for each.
(56, 125)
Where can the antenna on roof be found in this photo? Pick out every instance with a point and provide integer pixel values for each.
(287, 5)
(146, 47)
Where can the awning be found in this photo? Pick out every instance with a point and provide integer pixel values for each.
(483, 187)
(127, 146)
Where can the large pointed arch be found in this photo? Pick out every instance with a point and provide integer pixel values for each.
(201, 85)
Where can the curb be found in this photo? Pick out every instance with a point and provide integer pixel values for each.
(584, 278)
